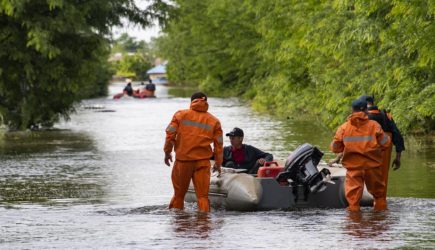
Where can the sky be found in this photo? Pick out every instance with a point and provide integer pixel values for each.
(137, 31)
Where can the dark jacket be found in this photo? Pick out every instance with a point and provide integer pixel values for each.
(128, 89)
(150, 87)
(252, 154)
(388, 125)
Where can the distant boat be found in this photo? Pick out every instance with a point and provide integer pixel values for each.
(136, 94)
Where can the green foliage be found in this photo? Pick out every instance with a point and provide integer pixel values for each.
(125, 44)
(309, 57)
(137, 57)
(213, 45)
(133, 66)
(54, 53)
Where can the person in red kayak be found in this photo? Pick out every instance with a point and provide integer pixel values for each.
(128, 89)
(150, 86)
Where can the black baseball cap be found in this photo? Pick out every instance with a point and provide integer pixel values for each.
(359, 105)
(198, 95)
(367, 98)
(235, 132)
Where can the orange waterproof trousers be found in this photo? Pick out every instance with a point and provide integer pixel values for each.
(199, 173)
(354, 187)
(385, 167)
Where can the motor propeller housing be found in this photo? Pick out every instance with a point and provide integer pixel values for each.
(301, 168)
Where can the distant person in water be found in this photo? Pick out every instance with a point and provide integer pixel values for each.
(150, 86)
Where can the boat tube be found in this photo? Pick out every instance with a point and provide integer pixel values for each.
(136, 94)
(303, 182)
(143, 94)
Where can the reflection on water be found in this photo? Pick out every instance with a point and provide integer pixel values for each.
(367, 225)
(49, 165)
(50, 141)
(191, 225)
(99, 182)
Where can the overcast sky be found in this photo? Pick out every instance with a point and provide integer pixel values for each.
(138, 32)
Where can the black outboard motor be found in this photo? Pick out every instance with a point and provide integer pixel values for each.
(301, 168)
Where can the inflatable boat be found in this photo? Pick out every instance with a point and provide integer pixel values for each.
(136, 94)
(303, 182)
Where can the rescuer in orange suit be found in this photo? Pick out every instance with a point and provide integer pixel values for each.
(390, 128)
(190, 133)
(362, 141)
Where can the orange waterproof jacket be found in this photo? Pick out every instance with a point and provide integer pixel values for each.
(361, 140)
(191, 132)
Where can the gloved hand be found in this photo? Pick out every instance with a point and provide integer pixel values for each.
(396, 164)
(168, 159)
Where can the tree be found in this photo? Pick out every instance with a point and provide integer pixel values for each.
(133, 66)
(213, 45)
(309, 57)
(125, 44)
(137, 57)
(54, 53)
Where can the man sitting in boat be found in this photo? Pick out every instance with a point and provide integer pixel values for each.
(150, 86)
(128, 89)
(243, 156)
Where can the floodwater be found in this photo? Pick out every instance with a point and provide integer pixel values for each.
(99, 182)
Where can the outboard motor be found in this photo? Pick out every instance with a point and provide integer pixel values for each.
(301, 168)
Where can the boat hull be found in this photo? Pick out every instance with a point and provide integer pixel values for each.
(136, 94)
(243, 192)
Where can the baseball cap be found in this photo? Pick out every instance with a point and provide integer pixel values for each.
(359, 104)
(367, 98)
(235, 132)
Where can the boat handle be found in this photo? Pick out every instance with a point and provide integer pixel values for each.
(269, 163)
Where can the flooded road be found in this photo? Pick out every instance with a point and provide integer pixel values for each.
(99, 182)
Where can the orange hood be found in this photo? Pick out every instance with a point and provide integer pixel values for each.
(199, 105)
(358, 119)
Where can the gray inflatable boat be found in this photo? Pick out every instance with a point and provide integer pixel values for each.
(304, 182)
